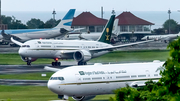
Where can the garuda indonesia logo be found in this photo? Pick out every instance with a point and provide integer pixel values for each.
(107, 36)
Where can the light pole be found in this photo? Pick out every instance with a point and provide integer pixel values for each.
(54, 13)
(113, 12)
(169, 12)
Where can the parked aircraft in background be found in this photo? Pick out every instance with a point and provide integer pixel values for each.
(85, 82)
(92, 36)
(166, 38)
(26, 34)
(79, 50)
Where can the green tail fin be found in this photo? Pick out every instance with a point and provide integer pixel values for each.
(107, 31)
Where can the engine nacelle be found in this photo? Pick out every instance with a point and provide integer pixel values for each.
(83, 98)
(137, 84)
(82, 55)
(25, 59)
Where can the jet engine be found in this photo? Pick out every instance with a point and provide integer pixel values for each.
(26, 59)
(83, 98)
(82, 55)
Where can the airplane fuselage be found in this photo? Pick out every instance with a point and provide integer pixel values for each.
(85, 36)
(27, 34)
(59, 48)
(102, 79)
(164, 37)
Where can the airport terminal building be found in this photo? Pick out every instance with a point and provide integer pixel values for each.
(130, 27)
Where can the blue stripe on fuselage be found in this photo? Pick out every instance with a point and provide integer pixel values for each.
(19, 31)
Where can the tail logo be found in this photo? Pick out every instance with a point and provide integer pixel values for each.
(107, 36)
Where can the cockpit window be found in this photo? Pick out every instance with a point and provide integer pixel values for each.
(25, 46)
(57, 78)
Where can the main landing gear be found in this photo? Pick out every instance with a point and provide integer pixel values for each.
(82, 63)
(56, 63)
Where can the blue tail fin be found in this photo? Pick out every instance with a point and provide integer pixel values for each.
(67, 20)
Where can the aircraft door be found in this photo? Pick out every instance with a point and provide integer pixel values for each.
(78, 81)
(50, 32)
(147, 73)
(78, 78)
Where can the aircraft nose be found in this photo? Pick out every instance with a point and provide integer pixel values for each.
(51, 86)
(21, 52)
(55, 87)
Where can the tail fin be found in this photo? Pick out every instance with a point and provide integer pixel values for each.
(67, 20)
(115, 27)
(107, 31)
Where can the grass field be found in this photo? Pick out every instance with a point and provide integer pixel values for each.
(36, 93)
(118, 56)
(27, 76)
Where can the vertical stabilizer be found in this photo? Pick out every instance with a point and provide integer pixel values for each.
(67, 20)
(115, 27)
(107, 31)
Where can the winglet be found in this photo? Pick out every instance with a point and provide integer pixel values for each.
(67, 20)
(51, 69)
(16, 42)
(107, 31)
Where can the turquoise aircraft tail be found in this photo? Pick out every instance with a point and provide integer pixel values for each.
(67, 20)
(107, 31)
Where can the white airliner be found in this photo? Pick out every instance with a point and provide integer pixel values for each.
(166, 38)
(26, 34)
(91, 36)
(79, 50)
(85, 82)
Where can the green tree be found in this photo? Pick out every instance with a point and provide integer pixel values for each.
(6, 20)
(51, 23)
(159, 31)
(34, 23)
(173, 26)
(13, 23)
(171, 73)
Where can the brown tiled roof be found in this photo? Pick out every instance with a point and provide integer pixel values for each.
(127, 18)
(88, 19)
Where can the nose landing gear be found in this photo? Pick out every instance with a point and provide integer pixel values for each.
(56, 63)
(29, 63)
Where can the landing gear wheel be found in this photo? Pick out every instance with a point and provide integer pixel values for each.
(82, 63)
(59, 63)
(53, 64)
(56, 63)
(85, 63)
(28, 63)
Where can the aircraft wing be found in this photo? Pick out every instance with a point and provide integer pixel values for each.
(78, 29)
(8, 36)
(51, 69)
(16, 42)
(118, 46)
(95, 50)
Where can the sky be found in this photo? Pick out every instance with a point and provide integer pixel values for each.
(90, 5)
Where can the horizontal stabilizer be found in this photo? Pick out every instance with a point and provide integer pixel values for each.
(51, 69)
(16, 42)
